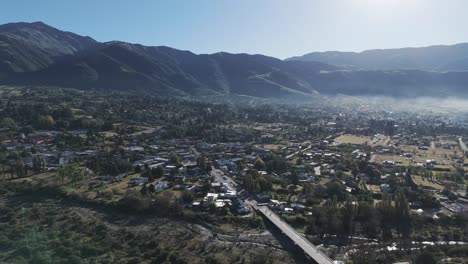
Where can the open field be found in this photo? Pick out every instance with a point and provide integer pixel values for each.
(374, 188)
(41, 177)
(271, 146)
(379, 140)
(350, 139)
(418, 180)
(399, 160)
(441, 156)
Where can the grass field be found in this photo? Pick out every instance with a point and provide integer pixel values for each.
(396, 158)
(271, 146)
(374, 188)
(356, 140)
(363, 140)
(418, 180)
(442, 156)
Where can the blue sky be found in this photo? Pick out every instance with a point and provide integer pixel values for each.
(279, 28)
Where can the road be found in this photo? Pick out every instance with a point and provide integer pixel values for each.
(297, 152)
(298, 239)
(311, 250)
(220, 177)
(462, 144)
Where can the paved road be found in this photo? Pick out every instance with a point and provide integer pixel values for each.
(462, 144)
(220, 177)
(297, 152)
(301, 241)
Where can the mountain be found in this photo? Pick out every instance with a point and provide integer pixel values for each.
(165, 71)
(28, 47)
(433, 58)
(35, 54)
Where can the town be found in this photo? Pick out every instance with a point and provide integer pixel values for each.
(359, 186)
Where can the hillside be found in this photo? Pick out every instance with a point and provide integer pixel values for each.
(39, 55)
(33, 46)
(433, 58)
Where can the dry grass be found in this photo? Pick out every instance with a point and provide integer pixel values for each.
(374, 188)
(396, 158)
(363, 140)
(356, 140)
(271, 146)
(442, 156)
(418, 180)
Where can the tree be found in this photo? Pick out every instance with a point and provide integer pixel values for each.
(8, 123)
(176, 160)
(349, 212)
(425, 258)
(336, 188)
(157, 172)
(294, 177)
(387, 212)
(187, 197)
(73, 171)
(402, 214)
(201, 163)
(259, 164)
(39, 164)
(20, 168)
(143, 190)
(151, 189)
(137, 169)
(331, 208)
(45, 122)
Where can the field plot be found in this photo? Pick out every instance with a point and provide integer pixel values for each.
(418, 180)
(399, 160)
(374, 188)
(351, 139)
(271, 146)
(377, 140)
(441, 156)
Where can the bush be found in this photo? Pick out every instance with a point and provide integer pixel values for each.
(459, 251)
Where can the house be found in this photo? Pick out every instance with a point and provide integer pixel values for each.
(298, 207)
(217, 186)
(385, 187)
(135, 149)
(161, 186)
(263, 198)
(229, 195)
(211, 197)
(138, 181)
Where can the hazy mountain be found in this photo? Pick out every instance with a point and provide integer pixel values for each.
(433, 58)
(34, 46)
(37, 54)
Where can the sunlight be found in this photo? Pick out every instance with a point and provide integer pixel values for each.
(381, 6)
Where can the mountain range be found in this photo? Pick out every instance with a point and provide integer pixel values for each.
(433, 58)
(35, 54)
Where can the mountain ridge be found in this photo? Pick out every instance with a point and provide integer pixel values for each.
(35, 54)
(431, 58)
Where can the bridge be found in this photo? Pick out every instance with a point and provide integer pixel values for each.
(316, 254)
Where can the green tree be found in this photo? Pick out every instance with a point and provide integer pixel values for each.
(331, 209)
(20, 168)
(349, 212)
(425, 258)
(187, 196)
(259, 164)
(402, 214)
(38, 163)
(72, 171)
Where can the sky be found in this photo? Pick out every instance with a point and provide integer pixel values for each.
(278, 28)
